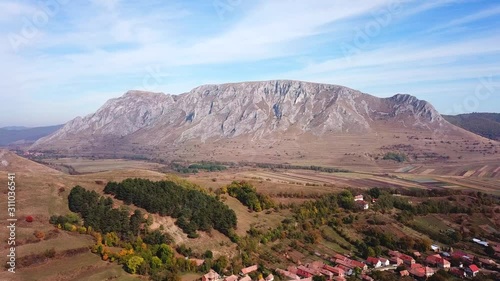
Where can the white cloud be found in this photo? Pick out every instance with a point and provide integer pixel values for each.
(429, 5)
(407, 54)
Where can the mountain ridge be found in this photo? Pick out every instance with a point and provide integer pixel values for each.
(21, 135)
(260, 112)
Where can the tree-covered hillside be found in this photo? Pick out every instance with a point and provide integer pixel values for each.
(194, 209)
(483, 124)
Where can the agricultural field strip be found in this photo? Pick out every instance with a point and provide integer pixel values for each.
(497, 170)
(415, 169)
(428, 171)
(404, 169)
(101, 165)
(483, 168)
(356, 177)
(321, 177)
(369, 183)
(469, 173)
(287, 178)
(470, 184)
(360, 180)
(482, 183)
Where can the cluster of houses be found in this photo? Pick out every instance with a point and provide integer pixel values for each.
(340, 266)
(343, 267)
(29, 153)
(432, 264)
(243, 276)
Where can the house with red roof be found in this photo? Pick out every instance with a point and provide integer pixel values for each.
(394, 253)
(408, 260)
(249, 269)
(396, 261)
(421, 271)
(374, 262)
(306, 272)
(462, 256)
(352, 264)
(270, 277)
(337, 271)
(348, 271)
(472, 270)
(438, 261)
(329, 275)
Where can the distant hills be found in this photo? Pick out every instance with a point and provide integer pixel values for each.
(483, 124)
(24, 135)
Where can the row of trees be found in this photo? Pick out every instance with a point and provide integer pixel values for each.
(211, 167)
(194, 208)
(248, 196)
(297, 167)
(194, 168)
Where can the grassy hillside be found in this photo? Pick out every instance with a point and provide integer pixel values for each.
(484, 124)
(9, 135)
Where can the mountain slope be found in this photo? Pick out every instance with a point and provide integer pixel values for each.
(483, 124)
(250, 115)
(9, 135)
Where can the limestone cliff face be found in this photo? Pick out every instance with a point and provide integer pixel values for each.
(255, 110)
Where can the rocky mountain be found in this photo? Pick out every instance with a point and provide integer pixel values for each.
(249, 114)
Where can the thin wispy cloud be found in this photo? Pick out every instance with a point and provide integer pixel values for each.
(91, 51)
(483, 14)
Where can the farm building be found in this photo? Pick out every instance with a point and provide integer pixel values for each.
(211, 276)
(472, 270)
(249, 269)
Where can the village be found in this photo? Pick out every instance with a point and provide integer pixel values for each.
(339, 267)
(244, 275)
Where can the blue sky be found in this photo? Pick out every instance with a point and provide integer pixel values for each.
(65, 58)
